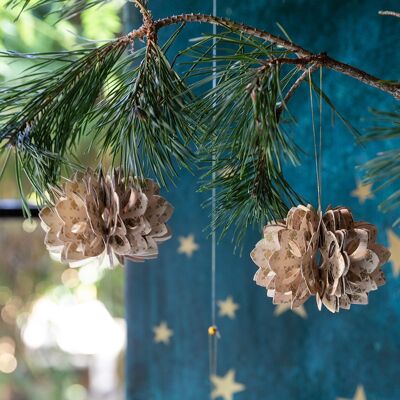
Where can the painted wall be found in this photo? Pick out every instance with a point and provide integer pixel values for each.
(276, 355)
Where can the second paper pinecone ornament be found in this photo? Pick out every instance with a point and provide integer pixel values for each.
(289, 266)
(97, 215)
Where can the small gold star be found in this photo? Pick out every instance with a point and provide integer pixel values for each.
(225, 386)
(363, 192)
(227, 308)
(282, 308)
(187, 245)
(394, 248)
(358, 395)
(162, 334)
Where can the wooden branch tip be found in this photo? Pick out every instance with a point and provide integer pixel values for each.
(148, 27)
(138, 4)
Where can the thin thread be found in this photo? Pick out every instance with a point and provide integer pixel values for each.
(320, 135)
(316, 152)
(213, 338)
(214, 190)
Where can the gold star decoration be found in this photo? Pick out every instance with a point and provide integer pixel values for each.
(282, 308)
(187, 245)
(225, 386)
(358, 395)
(363, 192)
(227, 308)
(394, 247)
(162, 334)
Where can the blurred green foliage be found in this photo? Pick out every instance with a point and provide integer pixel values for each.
(39, 31)
(26, 271)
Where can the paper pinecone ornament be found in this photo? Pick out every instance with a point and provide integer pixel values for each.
(96, 216)
(350, 265)
(285, 257)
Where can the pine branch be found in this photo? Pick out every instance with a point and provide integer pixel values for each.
(142, 118)
(305, 75)
(145, 120)
(392, 88)
(248, 143)
(384, 170)
(43, 118)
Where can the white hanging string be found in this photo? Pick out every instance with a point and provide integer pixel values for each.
(317, 151)
(317, 148)
(213, 331)
(320, 134)
(214, 190)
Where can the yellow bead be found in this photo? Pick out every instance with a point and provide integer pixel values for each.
(212, 330)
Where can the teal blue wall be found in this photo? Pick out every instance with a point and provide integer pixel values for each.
(287, 357)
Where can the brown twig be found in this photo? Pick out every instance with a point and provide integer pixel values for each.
(131, 36)
(302, 61)
(326, 61)
(143, 10)
(306, 74)
(390, 13)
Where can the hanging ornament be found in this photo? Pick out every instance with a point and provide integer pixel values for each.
(285, 257)
(348, 268)
(96, 215)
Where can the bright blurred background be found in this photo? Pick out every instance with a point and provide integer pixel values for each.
(62, 333)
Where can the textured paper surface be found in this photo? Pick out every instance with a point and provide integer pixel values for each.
(100, 215)
(329, 255)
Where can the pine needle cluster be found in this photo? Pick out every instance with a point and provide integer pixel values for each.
(248, 140)
(383, 171)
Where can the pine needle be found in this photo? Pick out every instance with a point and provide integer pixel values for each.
(383, 171)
